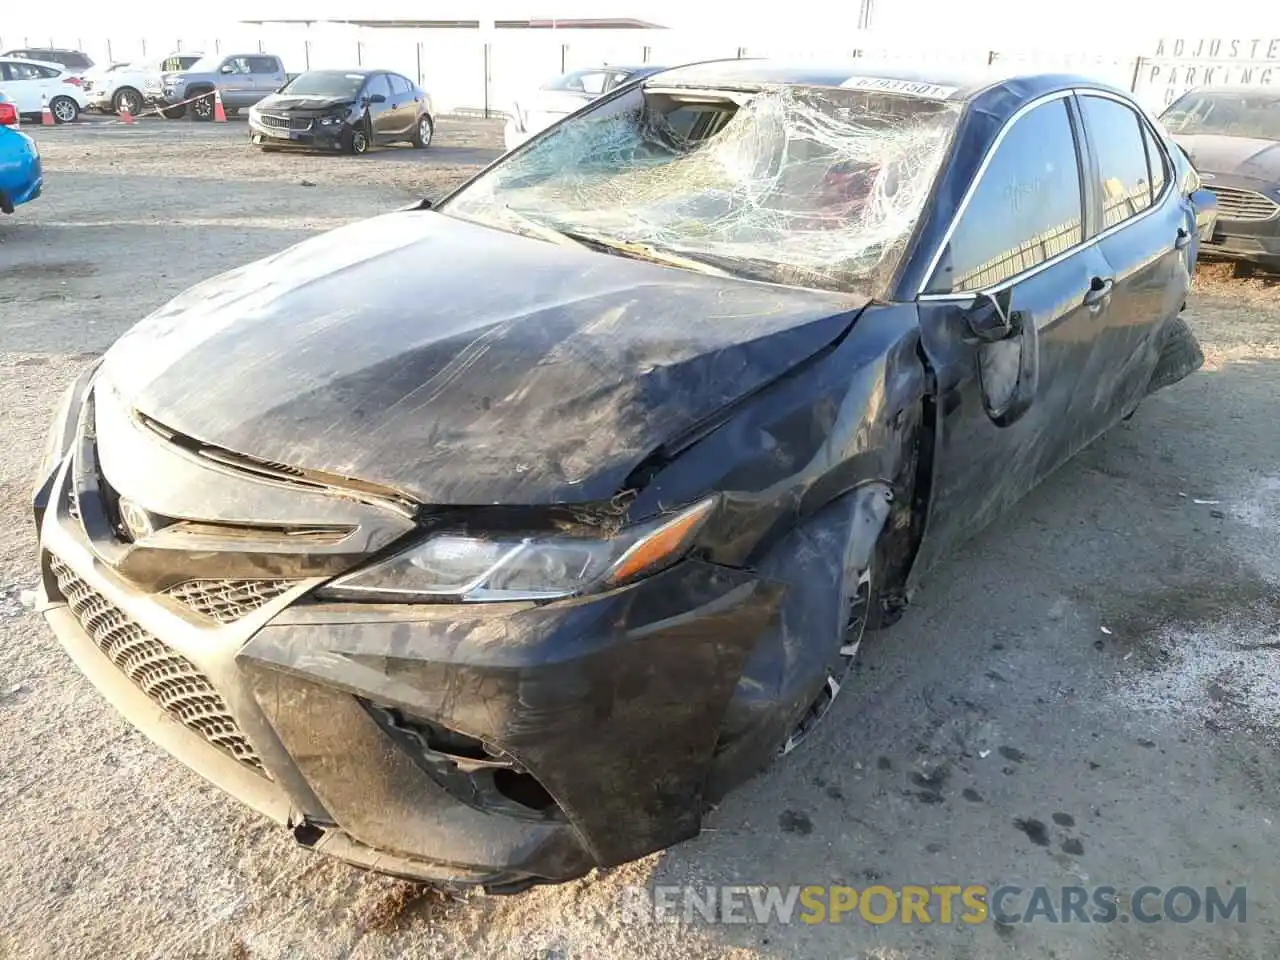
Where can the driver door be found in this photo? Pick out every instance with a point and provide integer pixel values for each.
(382, 115)
(1007, 323)
(236, 84)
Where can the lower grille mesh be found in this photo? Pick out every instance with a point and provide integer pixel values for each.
(162, 674)
(227, 600)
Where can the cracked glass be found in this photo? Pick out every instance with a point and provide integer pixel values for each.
(805, 186)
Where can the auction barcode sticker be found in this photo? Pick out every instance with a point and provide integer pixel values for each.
(893, 85)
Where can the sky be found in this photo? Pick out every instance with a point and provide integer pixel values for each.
(1130, 26)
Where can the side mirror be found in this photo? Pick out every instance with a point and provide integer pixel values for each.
(990, 318)
(376, 98)
(1008, 357)
(226, 68)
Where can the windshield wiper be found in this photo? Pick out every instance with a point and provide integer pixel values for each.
(626, 248)
(542, 231)
(645, 251)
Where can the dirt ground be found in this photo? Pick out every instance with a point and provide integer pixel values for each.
(1086, 695)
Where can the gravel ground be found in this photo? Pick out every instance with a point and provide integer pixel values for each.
(1086, 695)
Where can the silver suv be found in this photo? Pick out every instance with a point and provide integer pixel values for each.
(241, 78)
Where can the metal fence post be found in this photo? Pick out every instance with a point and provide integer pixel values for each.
(564, 57)
(359, 53)
(306, 53)
(144, 46)
(108, 49)
(486, 81)
(992, 57)
(417, 47)
(1137, 73)
(742, 52)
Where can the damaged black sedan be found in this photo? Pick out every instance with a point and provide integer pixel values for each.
(346, 110)
(488, 542)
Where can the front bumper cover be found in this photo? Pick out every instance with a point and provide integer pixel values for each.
(317, 137)
(613, 703)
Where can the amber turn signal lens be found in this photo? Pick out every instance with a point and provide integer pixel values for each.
(664, 545)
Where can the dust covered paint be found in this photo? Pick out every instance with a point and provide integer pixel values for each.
(489, 543)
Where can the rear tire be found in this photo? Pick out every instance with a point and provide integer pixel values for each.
(174, 113)
(126, 97)
(1180, 356)
(64, 110)
(423, 132)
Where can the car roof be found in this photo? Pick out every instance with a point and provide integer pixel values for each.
(941, 84)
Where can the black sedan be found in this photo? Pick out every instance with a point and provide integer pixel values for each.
(487, 542)
(348, 110)
(1232, 137)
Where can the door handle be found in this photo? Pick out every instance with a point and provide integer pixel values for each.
(1184, 238)
(1099, 291)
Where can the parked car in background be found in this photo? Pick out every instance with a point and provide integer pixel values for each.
(21, 176)
(242, 79)
(1232, 136)
(557, 98)
(30, 84)
(132, 85)
(349, 110)
(74, 60)
(492, 541)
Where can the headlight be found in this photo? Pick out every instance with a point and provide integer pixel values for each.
(450, 566)
(333, 120)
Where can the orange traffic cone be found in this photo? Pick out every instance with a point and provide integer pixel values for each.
(125, 115)
(46, 115)
(219, 114)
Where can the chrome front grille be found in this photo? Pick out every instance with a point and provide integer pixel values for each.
(227, 600)
(1237, 204)
(161, 673)
(285, 123)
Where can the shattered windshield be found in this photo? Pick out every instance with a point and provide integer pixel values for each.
(1225, 114)
(806, 186)
(325, 83)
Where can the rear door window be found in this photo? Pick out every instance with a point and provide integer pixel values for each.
(1124, 179)
(1027, 208)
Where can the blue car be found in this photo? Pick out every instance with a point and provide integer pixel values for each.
(21, 176)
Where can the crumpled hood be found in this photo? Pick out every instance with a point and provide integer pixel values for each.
(1237, 156)
(460, 364)
(282, 102)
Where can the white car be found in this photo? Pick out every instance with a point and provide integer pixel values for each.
(561, 96)
(133, 84)
(32, 83)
